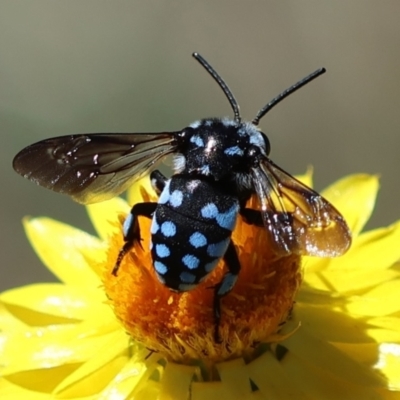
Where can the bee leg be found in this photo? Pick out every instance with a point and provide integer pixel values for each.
(158, 181)
(251, 216)
(131, 229)
(225, 286)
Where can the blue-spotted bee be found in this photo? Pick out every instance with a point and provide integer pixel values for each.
(219, 163)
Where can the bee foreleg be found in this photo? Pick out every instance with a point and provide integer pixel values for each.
(131, 229)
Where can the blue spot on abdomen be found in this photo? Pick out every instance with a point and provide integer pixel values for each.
(190, 261)
(218, 249)
(197, 240)
(162, 251)
(227, 219)
(210, 210)
(168, 229)
(160, 267)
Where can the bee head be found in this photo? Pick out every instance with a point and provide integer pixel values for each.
(220, 147)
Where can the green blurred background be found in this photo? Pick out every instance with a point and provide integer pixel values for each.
(126, 66)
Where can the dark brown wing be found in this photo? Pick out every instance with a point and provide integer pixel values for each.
(92, 167)
(299, 220)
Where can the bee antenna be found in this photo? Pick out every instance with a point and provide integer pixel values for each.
(231, 98)
(286, 93)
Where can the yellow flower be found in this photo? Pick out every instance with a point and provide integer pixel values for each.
(342, 339)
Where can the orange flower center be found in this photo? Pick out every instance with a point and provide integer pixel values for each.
(181, 325)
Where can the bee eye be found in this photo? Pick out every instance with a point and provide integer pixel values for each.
(266, 144)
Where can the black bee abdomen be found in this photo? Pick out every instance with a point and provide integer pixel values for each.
(191, 230)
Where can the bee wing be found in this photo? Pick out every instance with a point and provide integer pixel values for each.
(92, 167)
(298, 219)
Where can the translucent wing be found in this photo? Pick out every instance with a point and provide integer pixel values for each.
(298, 219)
(92, 167)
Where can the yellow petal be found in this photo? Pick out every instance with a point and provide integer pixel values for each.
(364, 353)
(389, 364)
(176, 381)
(134, 377)
(94, 375)
(319, 383)
(354, 196)
(103, 215)
(348, 280)
(12, 391)
(32, 317)
(272, 381)
(212, 391)
(33, 349)
(331, 325)
(48, 347)
(387, 322)
(8, 321)
(316, 351)
(58, 246)
(237, 382)
(383, 335)
(149, 391)
(55, 299)
(374, 250)
(379, 301)
(43, 379)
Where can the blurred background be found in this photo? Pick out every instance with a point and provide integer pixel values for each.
(126, 66)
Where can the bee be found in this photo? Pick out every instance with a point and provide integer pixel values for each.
(219, 164)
